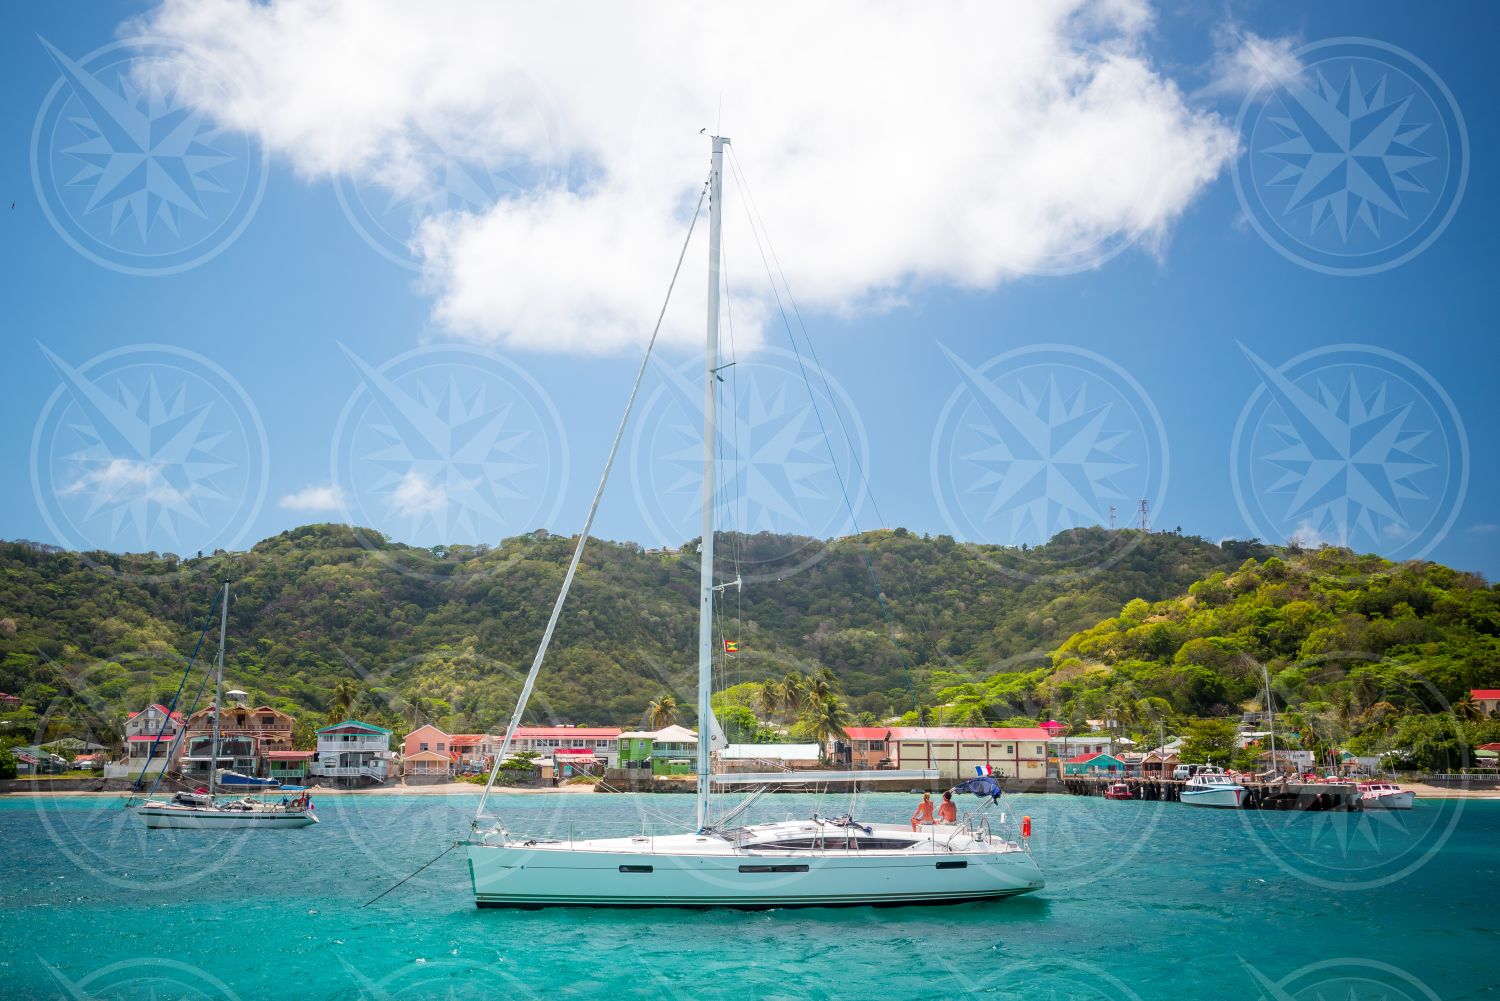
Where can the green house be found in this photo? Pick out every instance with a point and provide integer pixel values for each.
(1094, 764)
(672, 750)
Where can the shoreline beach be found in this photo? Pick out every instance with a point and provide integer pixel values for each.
(1423, 791)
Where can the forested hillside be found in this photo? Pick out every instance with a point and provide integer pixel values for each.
(327, 620)
(446, 634)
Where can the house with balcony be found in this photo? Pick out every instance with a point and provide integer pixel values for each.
(246, 736)
(354, 753)
(150, 744)
(672, 750)
(289, 767)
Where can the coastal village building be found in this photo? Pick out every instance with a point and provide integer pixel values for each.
(289, 767)
(9, 702)
(672, 750)
(149, 748)
(769, 757)
(561, 750)
(353, 752)
(1487, 699)
(1100, 764)
(954, 751)
(1063, 748)
(246, 736)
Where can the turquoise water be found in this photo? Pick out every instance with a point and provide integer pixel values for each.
(1144, 900)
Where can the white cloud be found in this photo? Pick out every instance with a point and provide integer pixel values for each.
(416, 495)
(123, 480)
(1245, 62)
(890, 146)
(327, 497)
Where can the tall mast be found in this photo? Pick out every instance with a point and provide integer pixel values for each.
(710, 441)
(213, 766)
(1270, 718)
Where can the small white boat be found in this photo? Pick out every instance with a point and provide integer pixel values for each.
(1385, 796)
(1210, 789)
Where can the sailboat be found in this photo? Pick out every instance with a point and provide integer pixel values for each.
(205, 810)
(719, 862)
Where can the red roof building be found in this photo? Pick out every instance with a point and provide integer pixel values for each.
(1488, 699)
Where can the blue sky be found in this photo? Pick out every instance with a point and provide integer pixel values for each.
(311, 372)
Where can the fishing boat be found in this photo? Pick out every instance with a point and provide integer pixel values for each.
(1385, 796)
(1117, 790)
(718, 861)
(206, 810)
(1212, 789)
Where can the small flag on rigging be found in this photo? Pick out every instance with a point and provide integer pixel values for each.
(731, 646)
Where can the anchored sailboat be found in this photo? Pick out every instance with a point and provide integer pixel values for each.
(203, 810)
(816, 862)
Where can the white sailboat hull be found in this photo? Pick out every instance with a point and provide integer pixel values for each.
(693, 871)
(188, 818)
(1226, 797)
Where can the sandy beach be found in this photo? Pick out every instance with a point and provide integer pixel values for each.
(1423, 791)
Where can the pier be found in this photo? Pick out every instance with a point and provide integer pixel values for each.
(1274, 795)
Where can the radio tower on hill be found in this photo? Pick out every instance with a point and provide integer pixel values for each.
(1145, 522)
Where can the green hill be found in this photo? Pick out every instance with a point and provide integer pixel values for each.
(328, 619)
(453, 629)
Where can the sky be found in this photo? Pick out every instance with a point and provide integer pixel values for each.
(992, 271)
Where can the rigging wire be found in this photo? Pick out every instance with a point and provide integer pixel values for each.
(588, 523)
(754, 217)
(172, 705)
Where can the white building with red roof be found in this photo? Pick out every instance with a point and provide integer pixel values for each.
(1487, 699)
(150, 743)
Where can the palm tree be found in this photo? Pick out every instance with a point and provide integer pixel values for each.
(827, 720)
(345, 691)
(768, 698)
(817, 690)
(1467, 708)
(662, 712)
(792, 688)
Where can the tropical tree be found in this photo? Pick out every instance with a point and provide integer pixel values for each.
(1208, 741)
(345, 691)
(827, 720)
(768, 698)
(792, 688)
(662, 712)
